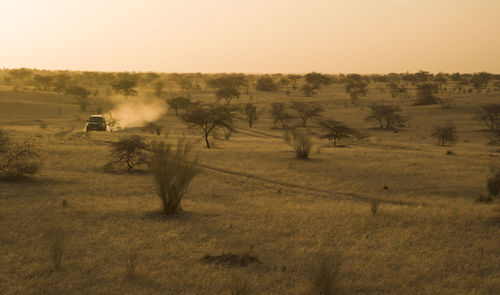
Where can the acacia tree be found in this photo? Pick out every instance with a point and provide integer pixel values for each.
(306, 110)
(490, 115)
(314, 82)
(280, 113)
(81, 95)
(227, 94)
(480, 80)
(18, 158)
(61, 82)
(179, 102)
(19, 75)
(130, 152)
(266, 83)
(293, 80)
(335, 130)
(209, 118)
(386, 116)
(43, 82)
(125, 86)
(445, 134)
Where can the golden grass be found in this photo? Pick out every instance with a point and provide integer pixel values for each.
(253, 196)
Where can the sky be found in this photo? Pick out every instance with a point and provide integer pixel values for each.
(252, 36)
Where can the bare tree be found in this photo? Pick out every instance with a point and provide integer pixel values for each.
(18, 158)
(112, 120)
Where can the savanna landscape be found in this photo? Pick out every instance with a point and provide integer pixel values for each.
(280, 184)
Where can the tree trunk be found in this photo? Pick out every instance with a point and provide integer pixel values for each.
(206, 140)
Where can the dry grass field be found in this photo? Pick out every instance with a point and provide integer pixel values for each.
(429, 235)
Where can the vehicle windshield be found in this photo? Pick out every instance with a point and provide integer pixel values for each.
(96, 119)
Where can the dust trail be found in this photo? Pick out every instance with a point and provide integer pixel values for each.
(137, 113)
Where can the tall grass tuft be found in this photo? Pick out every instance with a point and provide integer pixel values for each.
(240, 285)
(493, 182)
(300, 141)
(57, 249)
(374, 206)
(173, 169)
(324, 273)
(131, 264)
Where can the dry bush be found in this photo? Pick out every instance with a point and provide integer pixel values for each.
(374, 204)
(18, 158)
(173, 170)
(112, 120)
(131, 265)
(324, 274)
(300, 141)
(130, 152)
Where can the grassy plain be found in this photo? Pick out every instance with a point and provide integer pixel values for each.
(429, 235)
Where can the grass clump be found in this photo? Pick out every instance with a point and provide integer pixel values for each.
(173, 169)
(300, 141)
(240, 285)
(374, 204)
(57, 249)
(324, 273)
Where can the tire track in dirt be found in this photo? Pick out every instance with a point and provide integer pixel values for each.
(310, 190)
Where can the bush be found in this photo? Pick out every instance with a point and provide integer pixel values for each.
(386, 116)
(18, 158)
(426, 94)
(173, 170)
(324, 274)
(57, 249)
(300, 141)
(129, 152)
(154, 128)
(240, 285)
(446, 134)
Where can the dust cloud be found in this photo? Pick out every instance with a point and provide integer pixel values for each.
(138, 113)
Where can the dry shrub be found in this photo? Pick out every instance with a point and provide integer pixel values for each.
(374, 204)
(130, 152)
(324, 273)
(18, 158)
(173, 170)
(300, 141)
(446, 134)
(493, 182)
(131, 264)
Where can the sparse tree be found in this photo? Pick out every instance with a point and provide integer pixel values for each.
(251, 113)
(490, 115)
(386, 116)
(43, 82)
(19, 75)
(179, 103)
(307, 110)
(173, 169)
(280, 113)
(227, 94)
(209, 118)
(61, 82)
(317, 80)
(308, 90)
(480, 80)
(125, 86)
(445, 134)
(293, 80)
(130, 152)
(81, 95)
(335, 130)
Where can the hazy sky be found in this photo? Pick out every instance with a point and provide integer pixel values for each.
(366, 36)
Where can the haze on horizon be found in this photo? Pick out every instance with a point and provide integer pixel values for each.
(337, 36)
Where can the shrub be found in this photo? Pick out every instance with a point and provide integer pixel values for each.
(266, 83)
(280, 113)
(129, 152)
(374, 206)
(426, 94)
(18, 158)
(490, 115)
(324, 274)
(130, 265)
(154, 128)
(446, 134)
(173, 170)
(112, 120)
(300, 141)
